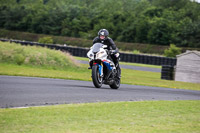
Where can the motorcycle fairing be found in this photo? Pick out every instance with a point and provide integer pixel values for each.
(107, 63)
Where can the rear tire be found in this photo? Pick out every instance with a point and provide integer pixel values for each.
(96, 78)
(116, 83)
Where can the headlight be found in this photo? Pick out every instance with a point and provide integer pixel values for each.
(90, 55)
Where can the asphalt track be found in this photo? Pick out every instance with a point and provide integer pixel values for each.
(16, 91)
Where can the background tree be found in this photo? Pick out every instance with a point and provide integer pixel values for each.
(141, 21)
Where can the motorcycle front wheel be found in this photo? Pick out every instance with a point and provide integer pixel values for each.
(96, 78)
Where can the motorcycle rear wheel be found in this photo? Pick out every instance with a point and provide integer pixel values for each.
(116, 84)
(96, 78)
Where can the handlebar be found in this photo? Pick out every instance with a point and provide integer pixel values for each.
(112, 51)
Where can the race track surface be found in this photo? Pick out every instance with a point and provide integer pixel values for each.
(18, 91)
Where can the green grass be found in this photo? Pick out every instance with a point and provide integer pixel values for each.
(123, 63)
(35, 56)
(22, 70)
(135, 77)
(123, 117)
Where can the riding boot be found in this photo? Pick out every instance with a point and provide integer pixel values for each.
(118, 69)
(118, 72)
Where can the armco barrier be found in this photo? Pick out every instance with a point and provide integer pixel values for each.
(134, 58)
(146, 59)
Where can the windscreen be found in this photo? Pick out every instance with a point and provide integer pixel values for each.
(96, 47)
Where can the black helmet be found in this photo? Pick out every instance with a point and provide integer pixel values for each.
(103, 32)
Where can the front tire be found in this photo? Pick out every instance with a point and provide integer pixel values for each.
(96, 78)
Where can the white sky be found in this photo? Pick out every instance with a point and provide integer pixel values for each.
(197, 1)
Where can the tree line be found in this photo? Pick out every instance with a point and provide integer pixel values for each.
(160, 22)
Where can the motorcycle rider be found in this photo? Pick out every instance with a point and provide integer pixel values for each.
(104, 39)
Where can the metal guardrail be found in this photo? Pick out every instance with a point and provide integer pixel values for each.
(133, 58)
(146, 59)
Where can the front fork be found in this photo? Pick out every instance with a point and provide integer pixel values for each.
(100, 69)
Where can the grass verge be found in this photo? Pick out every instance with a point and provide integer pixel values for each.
(123, 117)
(124, 63)
(35, 56)
(23, 70)
(132, 77)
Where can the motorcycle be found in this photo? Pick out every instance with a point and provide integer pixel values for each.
(103, 68)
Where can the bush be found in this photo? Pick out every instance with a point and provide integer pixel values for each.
(19, 59)
(46, 40)
(136, 52)
(172, 51)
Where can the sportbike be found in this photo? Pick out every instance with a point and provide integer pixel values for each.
(103, 68)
